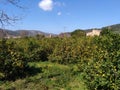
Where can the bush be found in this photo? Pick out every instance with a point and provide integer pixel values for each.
(12, 63)
(102, 71)
(71, 51)
(43, 50)
(39, 54)
(62, 52)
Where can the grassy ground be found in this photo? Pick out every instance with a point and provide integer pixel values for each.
(47, 76)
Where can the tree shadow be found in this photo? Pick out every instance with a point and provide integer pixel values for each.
(26, 72)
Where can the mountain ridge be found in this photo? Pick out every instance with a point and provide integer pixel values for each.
(20, 33)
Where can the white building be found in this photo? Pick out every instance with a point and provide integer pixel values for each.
(93, 33)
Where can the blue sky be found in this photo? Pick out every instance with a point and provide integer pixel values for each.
(56, 16)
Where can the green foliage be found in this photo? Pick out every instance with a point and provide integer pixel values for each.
(106, 32)
(114, 28)
(78, 33)
(38, 54)
(96, 58)
(71, 51)
(39, 37)
(12, 63)
(45, 48)
(102, 72)
(63, 52)
(53, 77)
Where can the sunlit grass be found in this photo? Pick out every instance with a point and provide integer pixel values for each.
(52, 77)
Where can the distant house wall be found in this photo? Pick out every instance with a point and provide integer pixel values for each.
(93, 33)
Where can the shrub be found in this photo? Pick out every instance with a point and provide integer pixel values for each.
(62, 52)
(71, 51)
(102, 71)
(39, 54)
(12, 63)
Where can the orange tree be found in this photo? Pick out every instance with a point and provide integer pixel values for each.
(102, 72)
(71, 50)
(12, 63)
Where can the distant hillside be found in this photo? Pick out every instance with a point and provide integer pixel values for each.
(21, 33)
(79, 32)
(115, 28)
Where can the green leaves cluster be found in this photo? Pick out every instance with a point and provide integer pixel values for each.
(97, 59)
(102, 72)
(78, 33)
(12, 63)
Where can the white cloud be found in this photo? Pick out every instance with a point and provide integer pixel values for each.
(46, 5)
(59, 13)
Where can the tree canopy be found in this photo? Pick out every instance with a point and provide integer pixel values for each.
(78, 33)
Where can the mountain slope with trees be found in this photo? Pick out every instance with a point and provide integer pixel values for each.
(22, 33)
(114, 28)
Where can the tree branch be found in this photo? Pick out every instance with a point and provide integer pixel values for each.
(5, 18)
(15, 3)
